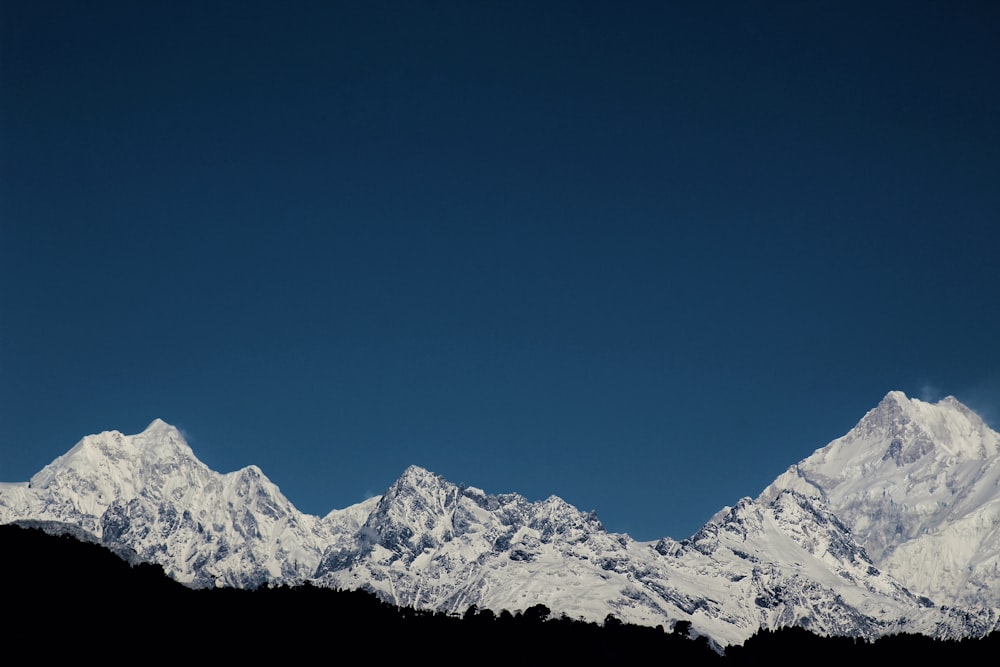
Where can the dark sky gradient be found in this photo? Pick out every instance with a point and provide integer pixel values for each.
(640, 256)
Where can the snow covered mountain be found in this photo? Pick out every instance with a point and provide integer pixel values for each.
(890, 528)
(148, 495)
(919, 485)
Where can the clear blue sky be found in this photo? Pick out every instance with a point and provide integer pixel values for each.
(642, 256)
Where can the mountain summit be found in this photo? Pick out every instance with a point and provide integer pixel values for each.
(890, 528)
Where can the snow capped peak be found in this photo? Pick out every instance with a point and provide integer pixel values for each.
(163, 441)
(894, 397)
(419, 480)
(417, 474)
(894, 409)
(158, 425)
(897, 406)
(891, 442)
(946, 428)
(916, 483)
(419, 498)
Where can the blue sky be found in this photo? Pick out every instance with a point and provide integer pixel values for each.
(642, 257)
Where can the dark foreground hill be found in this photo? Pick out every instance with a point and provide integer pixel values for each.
(67, 598)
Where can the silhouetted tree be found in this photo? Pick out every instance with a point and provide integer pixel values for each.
(536, 613)
(682, 628)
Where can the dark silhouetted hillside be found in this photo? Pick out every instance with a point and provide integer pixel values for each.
(66, 598)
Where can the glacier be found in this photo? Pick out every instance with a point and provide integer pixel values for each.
(891, 528)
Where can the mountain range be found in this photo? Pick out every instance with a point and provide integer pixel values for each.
(892, 528)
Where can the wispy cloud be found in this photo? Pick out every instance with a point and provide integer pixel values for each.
(930, 392)
(984, 399)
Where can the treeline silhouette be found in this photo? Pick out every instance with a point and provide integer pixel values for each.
(64, 598)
